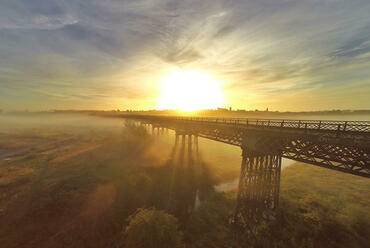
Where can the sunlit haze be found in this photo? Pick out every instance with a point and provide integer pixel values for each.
(295, 55)
(190, 90)
(184, 123)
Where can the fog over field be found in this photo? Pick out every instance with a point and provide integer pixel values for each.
(73, 181)
(169, 124)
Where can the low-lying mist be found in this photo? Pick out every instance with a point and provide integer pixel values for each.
(73, 181)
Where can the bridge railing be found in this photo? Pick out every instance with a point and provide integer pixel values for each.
(344, 126)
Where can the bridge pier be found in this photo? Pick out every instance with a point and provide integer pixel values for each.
(187, 137)
(259, 184)
(157, 130)
(342, 146)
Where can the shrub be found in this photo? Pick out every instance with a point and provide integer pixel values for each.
(152, 228)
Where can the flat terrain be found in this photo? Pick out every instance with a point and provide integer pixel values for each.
(73, 181)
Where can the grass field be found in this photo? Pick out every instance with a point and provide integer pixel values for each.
(68, 185)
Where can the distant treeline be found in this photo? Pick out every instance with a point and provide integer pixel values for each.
(221, 112)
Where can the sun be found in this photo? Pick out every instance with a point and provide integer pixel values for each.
(190, 91)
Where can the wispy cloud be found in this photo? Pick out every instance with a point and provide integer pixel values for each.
(91, 49)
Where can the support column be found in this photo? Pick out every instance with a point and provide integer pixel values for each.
(190, 148)
(196, 143)
(258, 195)
(196, 148)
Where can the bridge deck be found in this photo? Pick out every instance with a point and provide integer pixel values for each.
(323, 125)
(339, 145)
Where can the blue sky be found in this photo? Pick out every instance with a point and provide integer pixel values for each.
(107, 54)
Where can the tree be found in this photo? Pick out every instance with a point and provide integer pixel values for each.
(152, 228)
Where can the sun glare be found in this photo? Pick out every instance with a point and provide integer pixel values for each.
(190, 91)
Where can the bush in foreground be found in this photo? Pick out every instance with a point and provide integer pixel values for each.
(152, 228)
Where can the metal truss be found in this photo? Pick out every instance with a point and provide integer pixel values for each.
(340, 145)
(258, 195)
(342, 157)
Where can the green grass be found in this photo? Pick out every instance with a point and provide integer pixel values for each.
(52, 195)
(318, 208)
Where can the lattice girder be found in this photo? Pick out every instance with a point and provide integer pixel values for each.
(338, 145)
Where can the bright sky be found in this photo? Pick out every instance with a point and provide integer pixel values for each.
(93, 54)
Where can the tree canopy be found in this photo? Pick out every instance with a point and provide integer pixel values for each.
(152, 228)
